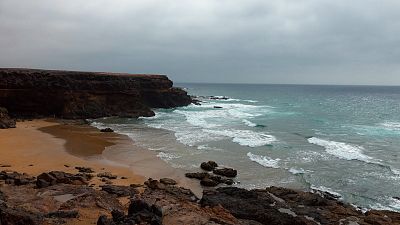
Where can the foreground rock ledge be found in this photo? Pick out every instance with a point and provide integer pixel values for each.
(78, 95)
(162, 202)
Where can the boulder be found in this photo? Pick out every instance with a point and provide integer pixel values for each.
(227, 172)
(107, 130)
(209, 166)
(168, 181)
(198, 175)
(59, 177)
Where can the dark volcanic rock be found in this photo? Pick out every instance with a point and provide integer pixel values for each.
(107, 175)
(84, 169)
(168, 181)
(59, 177)
(5, 120)
(63, 214)
(120, 191)
(209, 166)
(198, 175)
(107, 130)
(16, 178)
(208, 182)
(227, 172)
(74, 95)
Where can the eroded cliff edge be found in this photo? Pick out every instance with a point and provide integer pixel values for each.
(28, 93)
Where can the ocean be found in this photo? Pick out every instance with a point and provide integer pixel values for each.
(341, 139)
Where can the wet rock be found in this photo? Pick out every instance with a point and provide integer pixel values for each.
(217, 107)
(168, 181)
(208, 182)
(120, 191)
(107, 175)
(107, 130)
(84, 169)
(198, 175)
(218, 98)
(209, 166)
(227, 172)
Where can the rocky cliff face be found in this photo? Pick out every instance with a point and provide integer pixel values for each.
(5, 120)
(75, 95)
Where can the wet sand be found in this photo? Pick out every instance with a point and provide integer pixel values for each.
(46, 145)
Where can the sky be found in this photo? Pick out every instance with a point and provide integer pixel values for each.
(212, 41)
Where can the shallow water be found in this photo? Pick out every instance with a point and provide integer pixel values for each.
(341, 139)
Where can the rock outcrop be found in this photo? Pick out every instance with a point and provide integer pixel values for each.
(161, 202)
(76, 95)
(5, 120)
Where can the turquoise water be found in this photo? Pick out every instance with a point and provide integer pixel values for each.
(341, 139)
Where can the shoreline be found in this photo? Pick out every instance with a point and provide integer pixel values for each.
(38, 146)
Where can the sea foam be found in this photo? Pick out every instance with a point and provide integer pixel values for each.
(341, 150)
(245, 137)
(264, 160)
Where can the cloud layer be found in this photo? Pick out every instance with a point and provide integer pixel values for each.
(252, 41)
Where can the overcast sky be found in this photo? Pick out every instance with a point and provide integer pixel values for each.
(232, 41)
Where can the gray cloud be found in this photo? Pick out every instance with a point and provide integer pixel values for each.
(252, 41)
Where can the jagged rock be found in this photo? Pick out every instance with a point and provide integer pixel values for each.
(168, 181)
(120, 191)
(56, 177)
(209, 166)
(107, 175)
(107, 130)
(84, 169)
(5, 120)
(80, 95)
(227, 172)
(16, 178)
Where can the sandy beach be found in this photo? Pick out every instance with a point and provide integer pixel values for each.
(39, 146)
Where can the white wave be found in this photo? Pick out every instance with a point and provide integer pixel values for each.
(245, 137)
(394, 126)
(296, 171)
(341, 150)
(167, 156)
(193, 137)
(98, 125)
(206, 147)
(249, 123)
(325, 189)
(264, 160)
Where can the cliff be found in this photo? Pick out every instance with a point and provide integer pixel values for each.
(5, 120)
(77, 95)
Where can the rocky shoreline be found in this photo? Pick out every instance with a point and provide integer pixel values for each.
(57, 197)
